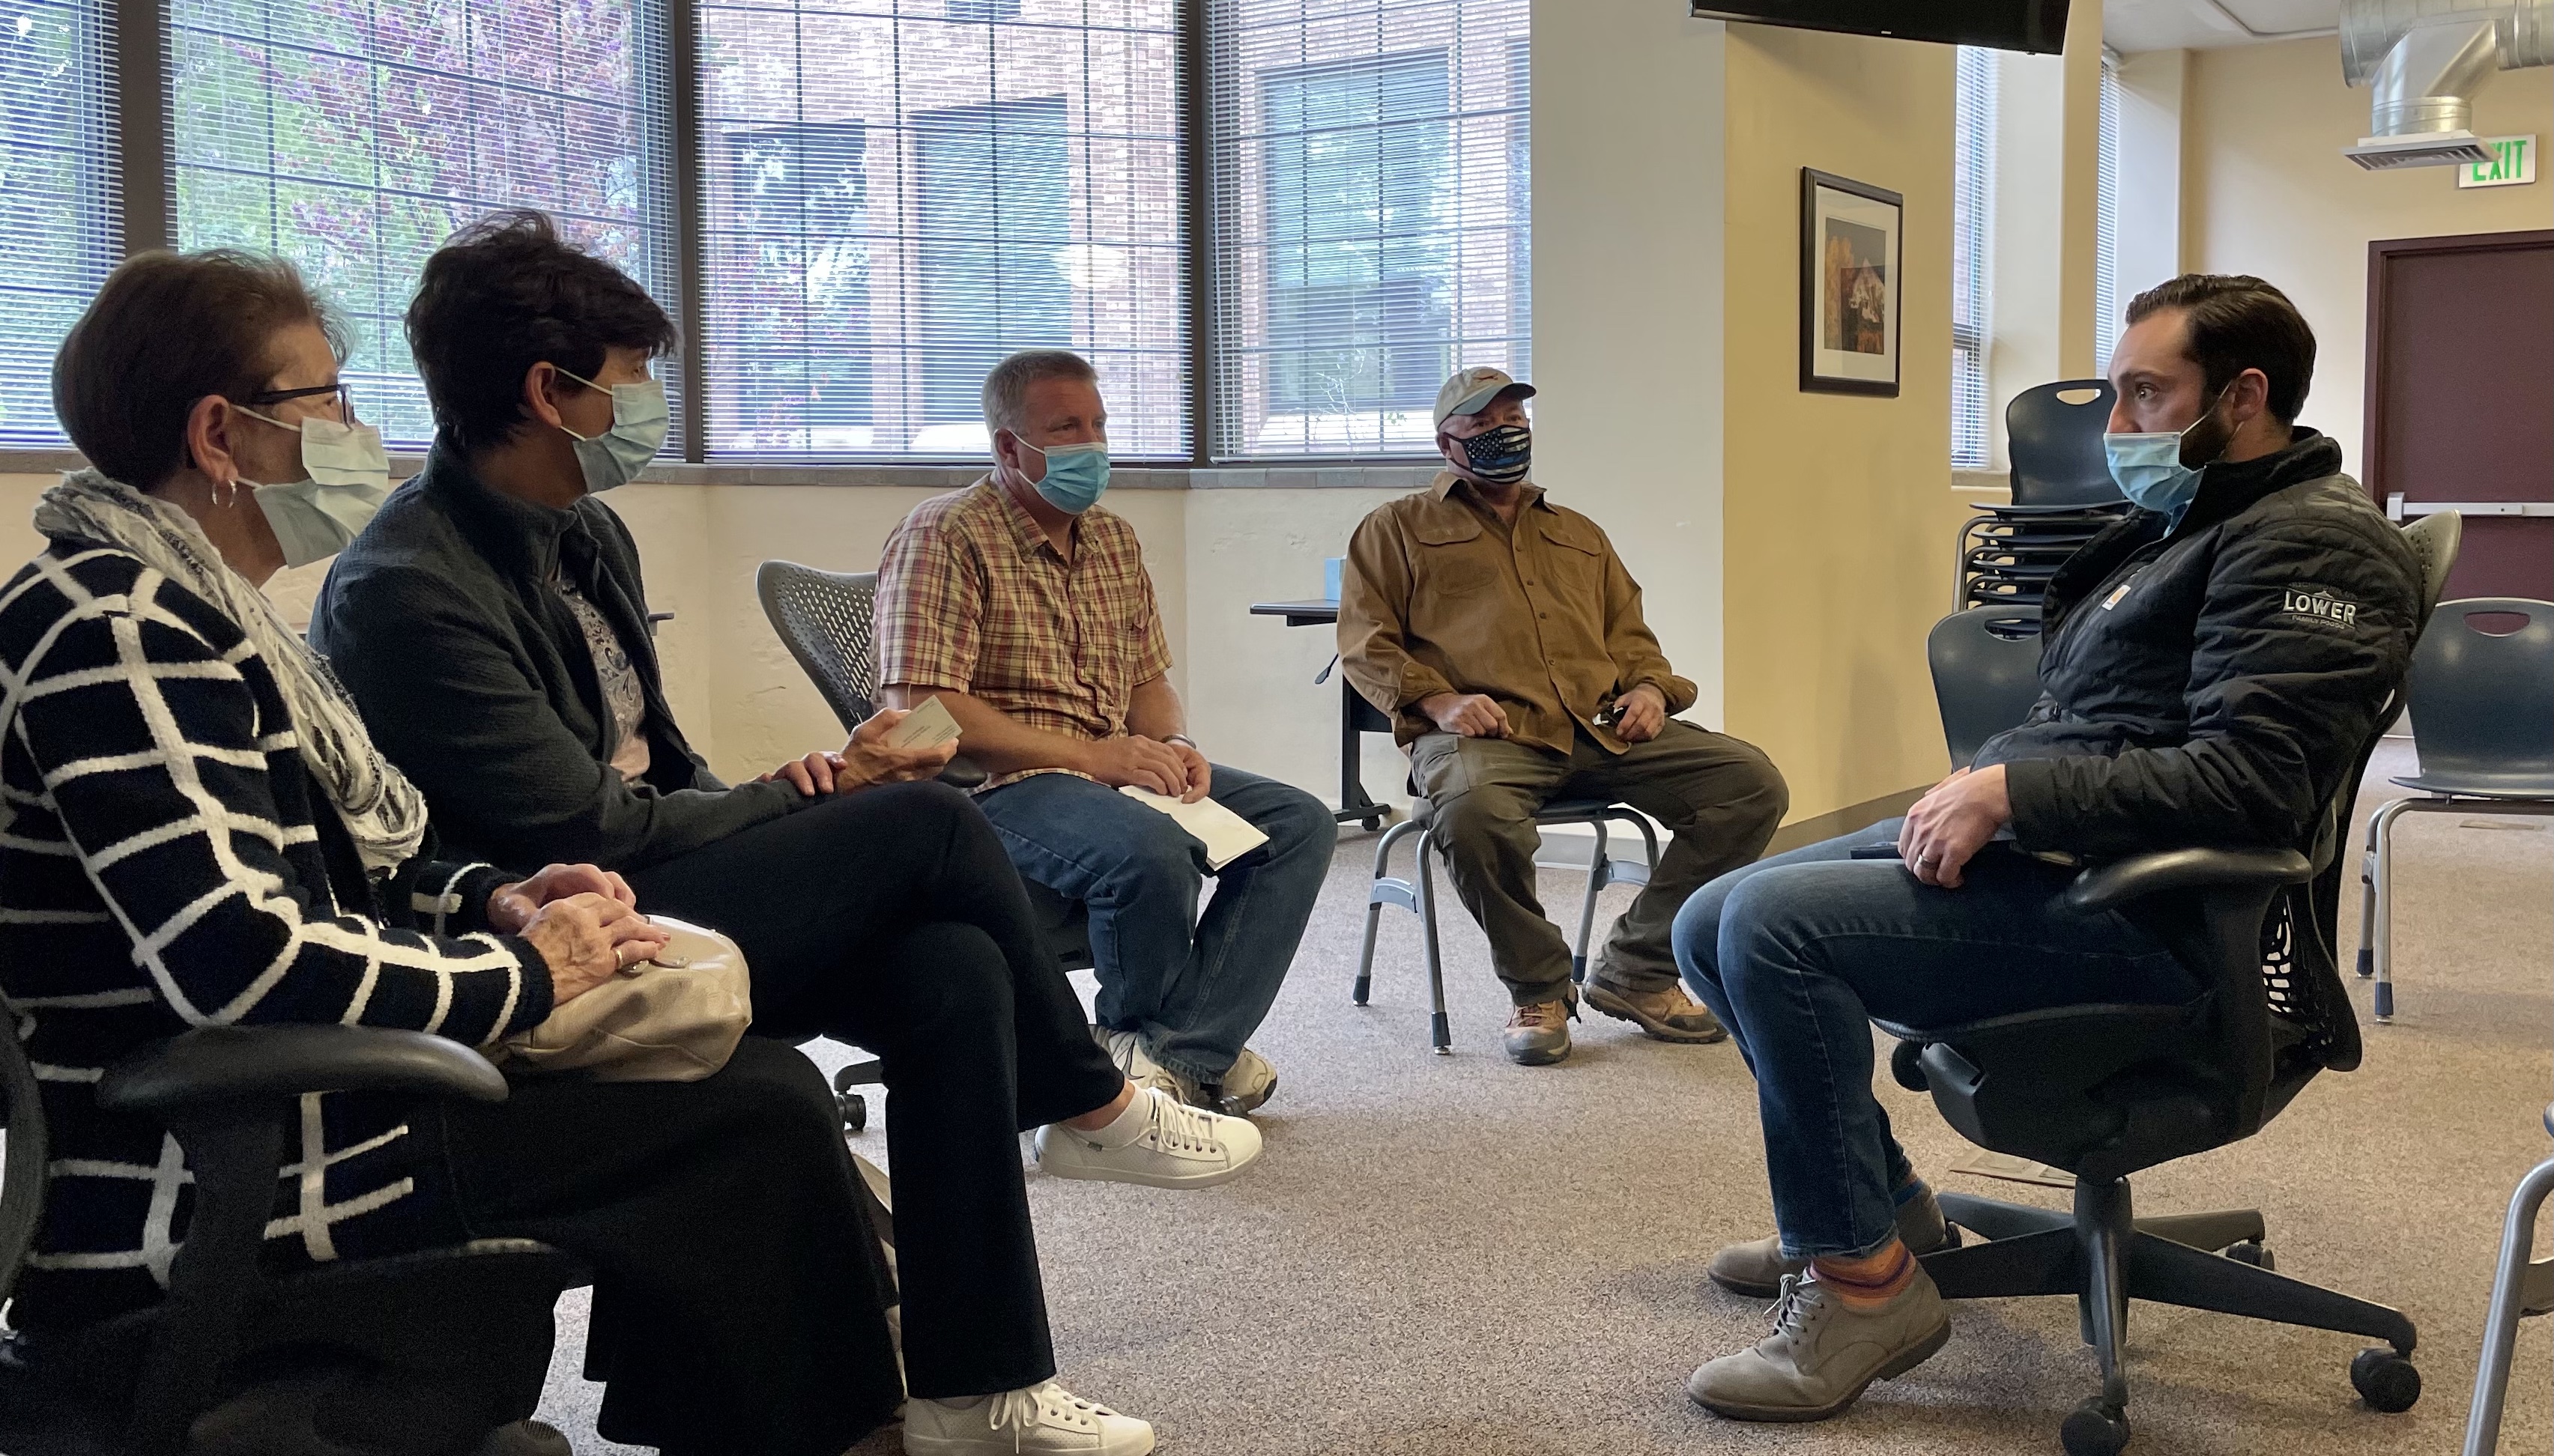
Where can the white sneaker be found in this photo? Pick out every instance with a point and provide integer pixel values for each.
(1178, 1147)
(1042, 1420)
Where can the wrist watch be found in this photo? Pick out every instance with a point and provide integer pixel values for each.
(1181, 738)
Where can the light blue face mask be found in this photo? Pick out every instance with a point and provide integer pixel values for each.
(349, 476)
(1076, 477)
(639, 423)
(2148, 465)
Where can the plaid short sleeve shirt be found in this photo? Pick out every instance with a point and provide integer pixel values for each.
(973, 596)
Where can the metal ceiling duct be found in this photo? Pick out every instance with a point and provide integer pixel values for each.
(2421, 61)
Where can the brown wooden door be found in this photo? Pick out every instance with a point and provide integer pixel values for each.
(2460, 396)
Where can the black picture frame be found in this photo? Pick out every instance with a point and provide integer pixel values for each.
(1833, 356)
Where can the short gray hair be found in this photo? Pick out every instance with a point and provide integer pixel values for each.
(1006, 388)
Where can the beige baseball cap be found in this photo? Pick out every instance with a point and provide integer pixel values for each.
(1471, 390)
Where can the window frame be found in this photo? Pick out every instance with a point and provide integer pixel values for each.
(1973, 432)
(139, 45)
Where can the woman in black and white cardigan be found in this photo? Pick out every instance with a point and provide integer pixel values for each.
(196, 830)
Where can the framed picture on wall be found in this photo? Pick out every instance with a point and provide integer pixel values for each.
(1849, 276)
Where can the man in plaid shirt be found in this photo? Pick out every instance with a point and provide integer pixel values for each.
(1026, 610)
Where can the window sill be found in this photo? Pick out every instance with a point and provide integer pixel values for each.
(925, 476)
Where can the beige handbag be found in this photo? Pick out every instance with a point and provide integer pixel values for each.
(675, 1018)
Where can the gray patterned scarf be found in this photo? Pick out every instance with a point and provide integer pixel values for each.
(381, 808)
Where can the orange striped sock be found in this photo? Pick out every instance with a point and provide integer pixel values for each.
(1868, 1281)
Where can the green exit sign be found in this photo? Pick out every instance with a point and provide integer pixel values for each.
(2512, 164)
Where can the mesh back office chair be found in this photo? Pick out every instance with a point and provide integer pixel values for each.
(2486, 736)
(1420, 893)
(828, 620)
(422, 1354)
(2104, 1091)
(2062, 496)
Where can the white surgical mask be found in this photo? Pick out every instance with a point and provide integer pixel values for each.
(639, 423)
(348, 476)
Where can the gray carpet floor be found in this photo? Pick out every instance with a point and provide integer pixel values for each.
(1456, 1254)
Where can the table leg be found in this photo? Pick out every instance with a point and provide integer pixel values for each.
(1355, 805)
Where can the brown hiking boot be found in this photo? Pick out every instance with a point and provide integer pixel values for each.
(1539, 1035)
(1667, 1014)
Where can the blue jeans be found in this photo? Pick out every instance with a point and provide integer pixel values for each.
(1193, 990)
(1798, 954)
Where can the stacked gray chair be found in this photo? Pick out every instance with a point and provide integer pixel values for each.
(828, 621)
(421, 1354)
(2521, 1285)
(2062, 497)
(2483, 725)
(1986, 674)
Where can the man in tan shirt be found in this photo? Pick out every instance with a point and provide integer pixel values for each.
(1503, 637)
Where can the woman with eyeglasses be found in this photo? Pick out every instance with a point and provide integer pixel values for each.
(196, 829)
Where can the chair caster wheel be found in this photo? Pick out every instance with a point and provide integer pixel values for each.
(2253, 1253)
(855, 1109)
(2386, 1381)
(2093, 1429)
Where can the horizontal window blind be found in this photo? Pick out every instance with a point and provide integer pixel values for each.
(1368, 214)
(2107, 302)
(899, 192)
(352, 137)
(1972, 224)
(60, 230)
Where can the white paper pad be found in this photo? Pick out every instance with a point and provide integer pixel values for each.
(927, 726)
(1227, 834)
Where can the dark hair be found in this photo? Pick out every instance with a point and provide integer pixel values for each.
(2238, 322)
(1006, 388)
(504, 293)
(166, 330)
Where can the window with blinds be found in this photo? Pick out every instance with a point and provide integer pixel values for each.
(354, 136)
(2107, 302)
(60, 230)
(1972, 224)
(899, 192)
(1368, 215)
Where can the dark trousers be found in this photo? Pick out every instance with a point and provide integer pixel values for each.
(892, 919)
(1798, 954)
(738, 1303)
(1721, 797)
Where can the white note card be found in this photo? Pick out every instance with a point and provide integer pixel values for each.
(927, 726)
(1227, 834)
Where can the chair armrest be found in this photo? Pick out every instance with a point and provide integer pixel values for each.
(230, 1064)
(2121, 881)
(964, 773)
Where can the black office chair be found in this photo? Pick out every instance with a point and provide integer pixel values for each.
(424, 1354)
(1986, 674)
(828, 621)
(2104, 1091)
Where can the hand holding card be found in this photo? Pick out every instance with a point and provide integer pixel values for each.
(926, 726)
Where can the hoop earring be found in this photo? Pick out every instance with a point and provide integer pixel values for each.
(224, 494)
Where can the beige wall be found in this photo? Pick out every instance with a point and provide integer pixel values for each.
(1839, 506)
(2268, 191)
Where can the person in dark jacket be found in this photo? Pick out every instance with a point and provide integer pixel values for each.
(198, 831)
(491, 625)
(2210, 668)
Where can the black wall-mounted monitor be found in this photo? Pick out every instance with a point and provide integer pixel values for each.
(2038, 26)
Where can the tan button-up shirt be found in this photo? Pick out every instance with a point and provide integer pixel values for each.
(1438, 595)
(971, 596)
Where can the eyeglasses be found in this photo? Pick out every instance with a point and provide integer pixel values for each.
(345, 397)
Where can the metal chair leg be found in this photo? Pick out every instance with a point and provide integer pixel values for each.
(2368, 902)
(1439, 1033)
(2509, 1301)
(1596, 867)
(1384, 890)
(2381, 937)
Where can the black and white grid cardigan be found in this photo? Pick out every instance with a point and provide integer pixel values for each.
(166, 862)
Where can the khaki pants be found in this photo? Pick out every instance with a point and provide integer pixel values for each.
(1719, 797)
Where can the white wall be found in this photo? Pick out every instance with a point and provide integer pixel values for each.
(1628, 247)
(2266, 191)
(2029, 234)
